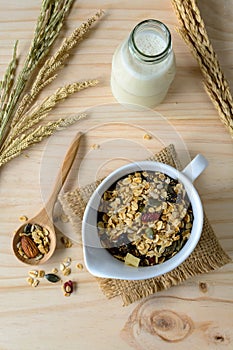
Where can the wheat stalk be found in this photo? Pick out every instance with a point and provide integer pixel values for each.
(22, 142)
(48, 72)
(195, 35)
(20, 116)
(41, 111)
(7, 82)
(48, 27)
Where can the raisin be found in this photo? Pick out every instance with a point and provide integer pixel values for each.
(150, 217)
(151, 260)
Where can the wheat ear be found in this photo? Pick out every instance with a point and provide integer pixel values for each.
(193, 31)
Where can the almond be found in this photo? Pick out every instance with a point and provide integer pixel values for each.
(29, 247)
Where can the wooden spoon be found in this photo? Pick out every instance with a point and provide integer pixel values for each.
(44, 217)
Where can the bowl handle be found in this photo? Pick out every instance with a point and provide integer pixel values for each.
(195, 167)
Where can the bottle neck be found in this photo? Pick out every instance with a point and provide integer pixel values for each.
(150, 41)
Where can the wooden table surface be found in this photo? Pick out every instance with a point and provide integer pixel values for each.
(42, 318)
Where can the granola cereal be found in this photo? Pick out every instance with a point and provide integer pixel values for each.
(147, 137)
(23, 218)
(145, 214)
(66, 242)
(34, 242)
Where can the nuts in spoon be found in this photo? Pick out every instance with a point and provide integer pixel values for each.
(34, 242)
(29, 247)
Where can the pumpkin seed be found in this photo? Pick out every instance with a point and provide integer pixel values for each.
(149, 233)
(51, 277)
(27, 228)
(154, 202)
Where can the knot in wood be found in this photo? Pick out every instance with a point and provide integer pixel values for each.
(169, 326)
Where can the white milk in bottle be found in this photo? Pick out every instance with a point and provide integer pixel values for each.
(143, 66)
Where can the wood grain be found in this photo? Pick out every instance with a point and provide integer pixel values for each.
(170, 322)
(198, 313)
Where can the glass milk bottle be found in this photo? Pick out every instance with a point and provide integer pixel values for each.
(143, 66)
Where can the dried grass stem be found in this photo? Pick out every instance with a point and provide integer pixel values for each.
(20, 115)
(192, 29)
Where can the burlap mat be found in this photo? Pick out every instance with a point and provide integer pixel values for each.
(207, 256)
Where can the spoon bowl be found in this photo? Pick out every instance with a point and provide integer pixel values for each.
(51, 236)
(43, 221)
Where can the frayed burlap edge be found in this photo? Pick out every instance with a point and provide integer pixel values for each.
(207, 256)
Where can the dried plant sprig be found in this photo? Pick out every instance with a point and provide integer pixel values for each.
(21, 143)
(48, 72)
(7, 82)
(48, 27)
(20, 126)
(57, 60)
(39, 112)
(195, 35)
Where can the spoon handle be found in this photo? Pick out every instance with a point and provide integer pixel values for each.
(63, 172)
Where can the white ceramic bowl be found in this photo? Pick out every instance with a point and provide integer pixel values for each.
(100, 262)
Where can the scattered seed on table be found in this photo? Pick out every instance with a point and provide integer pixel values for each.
(41, 273)
(66, 242)
(79, 266)
(30, 281)
(23, 218)
(35, 283)
(33, 273)
(147, 137)
(67, 271)
(67, 261)
(95, 146)
(52, 277)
